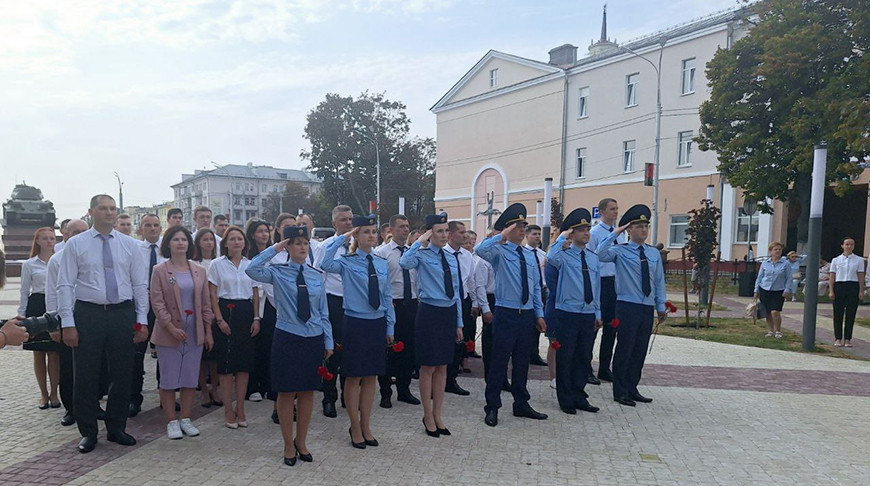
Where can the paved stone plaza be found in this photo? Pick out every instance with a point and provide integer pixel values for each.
(722, 414)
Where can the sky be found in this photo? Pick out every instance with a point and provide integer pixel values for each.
(151, 90)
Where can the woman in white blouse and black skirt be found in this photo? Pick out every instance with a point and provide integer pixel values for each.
(234, 300)
(847, 288)
(32, 303)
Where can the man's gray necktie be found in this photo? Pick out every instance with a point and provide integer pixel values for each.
(109, 271)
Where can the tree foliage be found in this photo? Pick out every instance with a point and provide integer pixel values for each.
(799, 77)
(296, 197)
(701, 247)
(343, 132)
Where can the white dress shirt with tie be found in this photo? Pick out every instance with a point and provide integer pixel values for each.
(83, 273)
(392, 253)
(466, 268)
(541, 259)
(332, 281)
(146, 249)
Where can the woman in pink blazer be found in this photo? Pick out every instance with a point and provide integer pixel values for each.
(181, 303)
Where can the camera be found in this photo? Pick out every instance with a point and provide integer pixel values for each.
(36, 325)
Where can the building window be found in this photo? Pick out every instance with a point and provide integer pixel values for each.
(747, 227)
(237, 201)
(628, 155)
(677, 236)
(237, 215)
(684, 158)
(282, 175)
(238, 186)
(583, 102)
(581, 163)
(263, 203)
(250, 214)
(631, 89)
(493, 78)
(688, 76)
(264, 188)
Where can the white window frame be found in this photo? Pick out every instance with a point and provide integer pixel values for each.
(493, 78)
(672, 224)
(743, 219)
(628, 155)
(581, 162)
(631, 89)
(684, 148)
(583, 102)
(687, 80)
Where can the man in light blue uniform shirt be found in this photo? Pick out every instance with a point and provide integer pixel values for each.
(519, 312)
(578, 310)
(640, 290)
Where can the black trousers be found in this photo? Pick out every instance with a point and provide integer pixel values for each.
(459, 350)
(139, 352)
(259, 381)
(846, 302)
(513, 334)
(633, 334)
(336, 318)
(486, 339)
(608, 333)
(576, 333)
(67, 390)
(103, 332)
(401, 365)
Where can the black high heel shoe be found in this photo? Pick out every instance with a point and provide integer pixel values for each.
(430, 433)
(356, 445)
(303, 457)
(291, 461)
(443, 431)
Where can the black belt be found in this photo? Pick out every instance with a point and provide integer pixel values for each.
(402, 302)
(106, 307)
(518, 311)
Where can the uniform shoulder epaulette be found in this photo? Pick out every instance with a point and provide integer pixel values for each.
(593, 252)
(346, 255)
(313, 268)
(378, 256)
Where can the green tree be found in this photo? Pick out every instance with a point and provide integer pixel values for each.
(343, 133)
(296, 197)
(799, 77)
(701, 248)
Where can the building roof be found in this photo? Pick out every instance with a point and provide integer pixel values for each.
(250, 171)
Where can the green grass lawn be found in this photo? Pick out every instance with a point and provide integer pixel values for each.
(693, 306)
(744, 332)
(724, 286)
(863, 321)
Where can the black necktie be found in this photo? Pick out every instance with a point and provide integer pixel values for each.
(406, 278)
(644, 272)
(610, 229)
(587, 283)
(152, 262)
(374, 289)
(303, 305)
(448, 276)
(310, 256)
(459, 266)
(538, 264)
(524, 275)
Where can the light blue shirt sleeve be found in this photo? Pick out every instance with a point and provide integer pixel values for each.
(556, 255)
(329, 262)
(411, 258)
(328, 341)
(488, 250)
(606, 250)
(258, 270)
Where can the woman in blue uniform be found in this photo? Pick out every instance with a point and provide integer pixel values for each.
(302, 338)
(368, 318)
(439, 317)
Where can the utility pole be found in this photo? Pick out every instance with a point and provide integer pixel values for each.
(814, 243)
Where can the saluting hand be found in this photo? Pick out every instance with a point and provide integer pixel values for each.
(281, 245)
(622, 228)
(567, 233)
(350, 234)
(424, 238)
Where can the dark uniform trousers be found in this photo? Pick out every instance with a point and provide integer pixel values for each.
(401, 365)
(459, 351)
(67, 390)
(633, 334)
(140, 350)
(608, 333)
(513, 335)
(486, 339)
(576, 334)
(336, 318)
(103, 331)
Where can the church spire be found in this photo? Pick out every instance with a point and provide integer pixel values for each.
(604, 24)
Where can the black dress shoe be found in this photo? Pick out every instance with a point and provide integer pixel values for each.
(415, 374)
(408, 398)
(275, 417)
(101, 414)
(473, 354)
(624, 401)
(87, 444)
(68, 419)
(456, 389)
(134, 410)
(569, 410)
(529, 412)
(356, 445)
(637, 397)
(491, 418)
(537, 361)
(605, 375)
(386, 403)
(592, 380)
(121, 438)
(371, 442)
(304, 457)
(290, 461)
(444, 431)
(587, 407)
(430, 433)
(329, 409)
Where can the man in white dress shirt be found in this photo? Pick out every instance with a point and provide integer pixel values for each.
(220, 225)
(533, 242)
(202, 219)
(608, 208)
(455, 240)
(102, 294)
(124, 224)
(342, 221)
(63, 231)
(403, 285)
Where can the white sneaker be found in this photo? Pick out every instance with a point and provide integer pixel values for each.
(173, 430)
(553, 383)
(188, 428)
(255, 397)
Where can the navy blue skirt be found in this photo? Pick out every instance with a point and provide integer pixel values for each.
(364, 347)
(435, 334)
(294, 363)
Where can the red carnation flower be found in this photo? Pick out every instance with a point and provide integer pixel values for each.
(338, 347)
(188, 312)
(556, 345)
(231, 306)
(137, 327)
(328, 376)
(469, 346)
(614, 323)
(398, 347)
(322, 371)
(670, 307)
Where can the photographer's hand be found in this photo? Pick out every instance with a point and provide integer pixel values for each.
(13, 334)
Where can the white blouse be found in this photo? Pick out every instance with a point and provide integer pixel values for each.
(846, 268)
(32, 281)
(232, 282)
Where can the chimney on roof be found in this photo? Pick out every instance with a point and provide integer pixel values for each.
(564, 55)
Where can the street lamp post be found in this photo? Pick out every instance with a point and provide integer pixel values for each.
(120, 193)
(658, 121)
